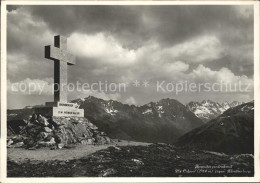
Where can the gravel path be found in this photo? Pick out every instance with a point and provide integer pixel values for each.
(20, 154)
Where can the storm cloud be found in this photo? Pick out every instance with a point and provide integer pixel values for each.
(127, 43)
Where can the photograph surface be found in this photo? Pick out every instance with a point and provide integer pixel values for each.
(107, 90)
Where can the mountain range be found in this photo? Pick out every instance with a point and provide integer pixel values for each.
(162, 121)
(207, 109)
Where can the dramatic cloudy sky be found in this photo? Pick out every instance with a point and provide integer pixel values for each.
(126, 43)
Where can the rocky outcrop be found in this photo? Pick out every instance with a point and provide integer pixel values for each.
(57, 132)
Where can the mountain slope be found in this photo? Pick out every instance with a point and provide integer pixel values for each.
(232, 132)
(162, 121)
(207, 109)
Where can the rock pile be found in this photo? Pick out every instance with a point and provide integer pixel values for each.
(57, 132)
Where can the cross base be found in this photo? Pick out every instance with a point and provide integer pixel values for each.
(60, 109)
(61, 104)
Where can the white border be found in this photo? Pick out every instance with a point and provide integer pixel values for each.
(3, 159)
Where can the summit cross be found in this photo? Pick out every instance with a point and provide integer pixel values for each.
(62, 58)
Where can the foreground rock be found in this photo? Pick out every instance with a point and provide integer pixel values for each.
(156, 160)
(57, 132)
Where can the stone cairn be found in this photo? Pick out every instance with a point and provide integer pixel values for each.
(57, 132)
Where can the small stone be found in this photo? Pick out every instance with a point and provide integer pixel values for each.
(93, 127)
(9, 142)
(47, 129)
(60, 146)
(36, 122)
(138, 162)
(42, 135)
(107, 172)
(52, 140)
(83, 142)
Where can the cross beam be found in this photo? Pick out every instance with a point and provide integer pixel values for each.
(61, 57)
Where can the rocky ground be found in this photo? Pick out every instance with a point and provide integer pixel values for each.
(154, 160)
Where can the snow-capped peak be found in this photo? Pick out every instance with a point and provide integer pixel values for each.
(207, 109)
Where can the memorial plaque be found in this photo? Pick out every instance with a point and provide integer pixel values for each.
(59, 111)
(68, 112)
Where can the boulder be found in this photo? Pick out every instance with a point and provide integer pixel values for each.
(42, 120)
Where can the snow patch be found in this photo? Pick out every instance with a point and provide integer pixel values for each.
(148, 111)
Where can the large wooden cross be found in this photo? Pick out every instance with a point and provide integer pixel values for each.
(61, 58)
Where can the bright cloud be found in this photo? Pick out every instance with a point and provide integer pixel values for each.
(205, 74)
(15, 63)
(102, 95)
(31, 87)
(199, 49)
(101, 47)
(131, 101)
